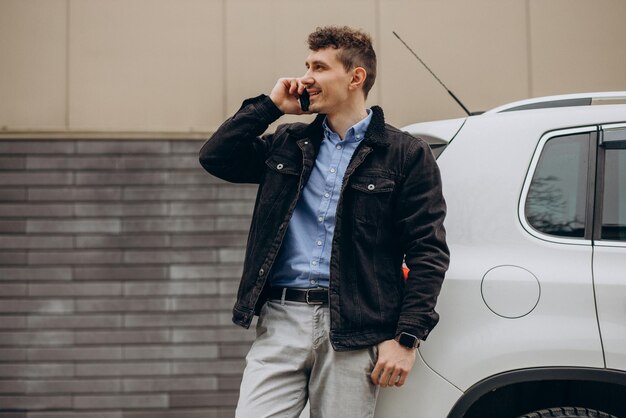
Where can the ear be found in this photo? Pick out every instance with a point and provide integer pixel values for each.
(358, 78)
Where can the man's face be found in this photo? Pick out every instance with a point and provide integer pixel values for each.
(327, 81)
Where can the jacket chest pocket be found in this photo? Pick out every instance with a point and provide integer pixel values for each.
(371, 198)
(281, 174)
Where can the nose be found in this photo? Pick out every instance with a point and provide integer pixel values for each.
(307, 80)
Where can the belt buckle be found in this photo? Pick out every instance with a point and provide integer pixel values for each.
(308, 302)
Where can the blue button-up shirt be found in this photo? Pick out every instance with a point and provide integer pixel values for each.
(304, 258)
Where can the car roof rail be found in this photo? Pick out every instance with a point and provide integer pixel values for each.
(564, 100)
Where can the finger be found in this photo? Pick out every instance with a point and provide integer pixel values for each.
(293, 88)
(385, 378)
(395, 377)
(403, 377)
(376, 373)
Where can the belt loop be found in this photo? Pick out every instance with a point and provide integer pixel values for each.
(282, 298)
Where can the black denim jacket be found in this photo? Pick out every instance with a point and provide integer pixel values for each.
(391, 206)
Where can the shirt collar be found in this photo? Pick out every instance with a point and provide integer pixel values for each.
(356, 132)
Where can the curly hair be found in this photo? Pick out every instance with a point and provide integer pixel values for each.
(355, 49)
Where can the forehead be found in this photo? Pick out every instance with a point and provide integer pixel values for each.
(326, 55)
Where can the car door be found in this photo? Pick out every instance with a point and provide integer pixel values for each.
(609, 249)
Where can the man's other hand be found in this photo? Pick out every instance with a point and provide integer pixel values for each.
(394, 363)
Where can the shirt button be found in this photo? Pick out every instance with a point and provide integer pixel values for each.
(280, 166)
(319, 243)
(326, 194)
(332, 170)
(338, 147)
(321, 219)
(370, 187)
(314, 263)
(313, 281)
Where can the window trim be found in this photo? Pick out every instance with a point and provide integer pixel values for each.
(521, 211)
(599, 192)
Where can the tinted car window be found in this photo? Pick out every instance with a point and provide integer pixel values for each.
(556, 200)
(614, 203)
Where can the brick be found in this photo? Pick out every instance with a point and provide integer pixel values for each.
(110, 226)
(36, 370)
(24, 210)
(168, 320)
(209, 240)
(12, 163)
(36, 338)
(121, 401)
(13, 257)
(35, 178)
(120, 178)
(12, 194)
(210, 208)
(169, 225)
(228, 382)
(11, 355)
(13, 227)
(205, 303)
(120, 273)
(36, 306)
(204, 399)
(169, 256)
(216, 271)
(171, 288)
(75, 321)
(73, 386)
(126, 369)
(209, 367)
(74, 194)
(123, 337)
(237, 192)
(14, 289)
(12, 322)
(82, 414)
(74, 353)
(232, 333)
(179, 413)
(75, 289)
(234, 351)
(36, 273)
(231, 255)
(187, 147)
(175, 351)
(194, 176)
(35, 402)
(146, 162)
(120, 209)
(170, 193)
(175, 384)
(123, 147)
(122, 305)
(36, 147)
(34, 242)
(70, 162)
(75, 257)
(232, 223)
(228, 287)
(123, 241)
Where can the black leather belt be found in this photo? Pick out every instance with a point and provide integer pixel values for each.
(318, 296)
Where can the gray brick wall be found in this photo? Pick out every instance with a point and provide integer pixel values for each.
(119, 263)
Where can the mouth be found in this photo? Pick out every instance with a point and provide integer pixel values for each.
(313, 93)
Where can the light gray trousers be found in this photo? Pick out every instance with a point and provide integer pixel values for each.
(292, 360)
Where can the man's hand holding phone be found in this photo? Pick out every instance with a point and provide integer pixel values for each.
(290, 96)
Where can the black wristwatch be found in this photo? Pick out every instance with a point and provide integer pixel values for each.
(408, 340)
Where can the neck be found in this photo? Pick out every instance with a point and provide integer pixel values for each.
(350, 114)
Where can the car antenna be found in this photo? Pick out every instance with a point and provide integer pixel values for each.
(456, 99)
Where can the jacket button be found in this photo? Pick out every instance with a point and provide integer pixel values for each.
(261, 272)
(280, 166)
(370, 187)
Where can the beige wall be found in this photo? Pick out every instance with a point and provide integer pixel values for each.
(181, 66)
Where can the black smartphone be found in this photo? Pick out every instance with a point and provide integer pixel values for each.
(304, 101)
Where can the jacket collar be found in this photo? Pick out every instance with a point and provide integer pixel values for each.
(374, 136)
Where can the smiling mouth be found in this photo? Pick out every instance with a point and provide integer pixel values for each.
(313, 93)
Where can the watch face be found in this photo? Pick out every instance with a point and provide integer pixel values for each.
(407, 340)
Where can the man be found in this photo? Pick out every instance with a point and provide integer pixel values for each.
(340, 202)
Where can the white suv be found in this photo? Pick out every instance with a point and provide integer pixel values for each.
(533, 308)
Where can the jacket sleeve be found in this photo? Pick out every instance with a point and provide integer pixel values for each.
(236, 151)
(421, 212)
